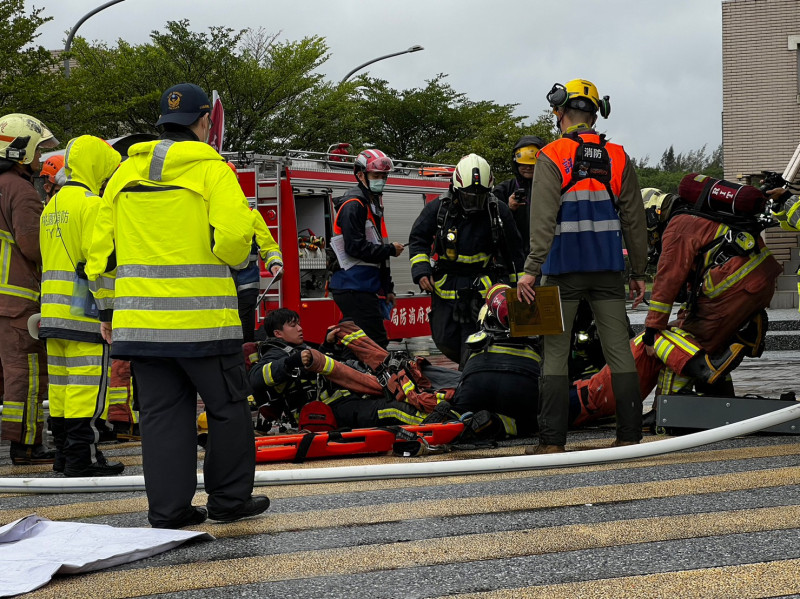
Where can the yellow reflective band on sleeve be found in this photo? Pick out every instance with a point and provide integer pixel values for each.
(487, 284)
(509, 424)
(408, 387)
(440, 397)
(266, 372)
(792, 207)
(400, 415)
(7, 237)
(660, 307)
(711, 291)
(638, 339)
(418, 258)
(354, 336)
(329, 365)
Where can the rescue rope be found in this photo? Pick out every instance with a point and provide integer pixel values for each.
(426, 468)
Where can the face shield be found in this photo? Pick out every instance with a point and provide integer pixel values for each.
(473, 198)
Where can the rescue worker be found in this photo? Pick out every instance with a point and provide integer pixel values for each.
(78, 358)
(587, 199)
(22, 358)
(477, 245)
(363, 250)
(724, 318)
(788, 215)
(173, 221)
(286, 374)
(248, 279)
(502, 372)
(516, 192)
(53, 176)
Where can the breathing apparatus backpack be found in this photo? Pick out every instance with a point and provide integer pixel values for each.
(591, 162)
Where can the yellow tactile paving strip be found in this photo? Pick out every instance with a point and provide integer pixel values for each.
(460, 549)
(749, 581)
(766, 478)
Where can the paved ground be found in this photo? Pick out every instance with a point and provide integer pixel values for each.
(716, 521)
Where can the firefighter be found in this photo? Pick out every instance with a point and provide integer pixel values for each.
(22, 358)
(501, 374)
(587, 198)
(53, 176)
(723, 319)
(363, 249)
(516, 192)
(173, 221)
(287, 378)
(248, 279)
(78, 357)
(477, 244)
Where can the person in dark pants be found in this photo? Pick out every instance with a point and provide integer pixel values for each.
(174, 311)
(362, 248)
(477, 245)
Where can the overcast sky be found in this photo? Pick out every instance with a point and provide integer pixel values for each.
(660, 61)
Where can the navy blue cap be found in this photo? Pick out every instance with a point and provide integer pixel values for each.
(183, 104)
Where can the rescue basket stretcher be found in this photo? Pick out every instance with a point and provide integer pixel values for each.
(301, 446)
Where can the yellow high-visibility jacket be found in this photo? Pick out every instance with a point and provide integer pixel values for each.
(65, 233)
(173, 221)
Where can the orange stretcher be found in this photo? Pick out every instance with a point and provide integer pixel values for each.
(302, 446)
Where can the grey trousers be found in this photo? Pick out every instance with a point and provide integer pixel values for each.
(605, 292)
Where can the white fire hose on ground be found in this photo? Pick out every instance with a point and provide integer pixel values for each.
(421, 468)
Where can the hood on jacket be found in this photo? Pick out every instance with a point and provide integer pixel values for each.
(91, 161)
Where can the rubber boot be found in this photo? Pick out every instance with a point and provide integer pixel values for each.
(58, 428)
(82, 457)
(629, 406)
(710, 369)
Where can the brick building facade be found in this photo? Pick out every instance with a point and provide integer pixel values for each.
(761, 101)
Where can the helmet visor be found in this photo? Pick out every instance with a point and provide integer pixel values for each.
(472, 201)
(382, 164)
(48, 144)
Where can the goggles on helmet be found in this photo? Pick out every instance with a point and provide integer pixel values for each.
(382, 164)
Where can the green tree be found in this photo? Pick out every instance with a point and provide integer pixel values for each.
(260, 80)
(673, 167)
(29, 74)
(436, 123)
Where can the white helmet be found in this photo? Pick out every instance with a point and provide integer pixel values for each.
(20, 135)
(472, 182)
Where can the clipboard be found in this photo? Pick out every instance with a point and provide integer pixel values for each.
(542, 317)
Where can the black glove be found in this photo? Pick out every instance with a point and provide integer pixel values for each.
(295, 360)
(80, 270)
(649, 337)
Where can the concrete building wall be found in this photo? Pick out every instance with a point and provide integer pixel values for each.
(761, 103)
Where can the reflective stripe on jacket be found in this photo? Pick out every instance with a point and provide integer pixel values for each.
(588, 234)
(176, 220)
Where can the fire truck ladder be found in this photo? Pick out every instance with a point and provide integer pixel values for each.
(268, 197)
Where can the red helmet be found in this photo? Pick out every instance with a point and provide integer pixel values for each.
(373, 161)
(52, 166)
(497, 303)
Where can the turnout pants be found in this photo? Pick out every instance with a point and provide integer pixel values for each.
(79, 373)
(362, 308)
(605, 292)
(121, 406)
(353, 411)
(167, 390)
(23, 361)
(449, 335)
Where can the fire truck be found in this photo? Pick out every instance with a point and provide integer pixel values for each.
(294, 193)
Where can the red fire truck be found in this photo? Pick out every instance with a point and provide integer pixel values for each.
(294, 194)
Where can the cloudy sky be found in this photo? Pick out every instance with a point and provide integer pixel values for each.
(660, 61)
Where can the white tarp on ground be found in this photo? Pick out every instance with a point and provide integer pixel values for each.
(33, 549)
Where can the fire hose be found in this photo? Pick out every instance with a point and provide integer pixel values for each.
(427, 468)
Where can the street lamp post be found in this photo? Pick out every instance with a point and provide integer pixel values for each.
(415, 48)
(82, 20)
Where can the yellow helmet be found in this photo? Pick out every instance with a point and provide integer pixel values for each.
(658, 207)
(202, 423)
(526, 155)
(20, 135)
(581, 95)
